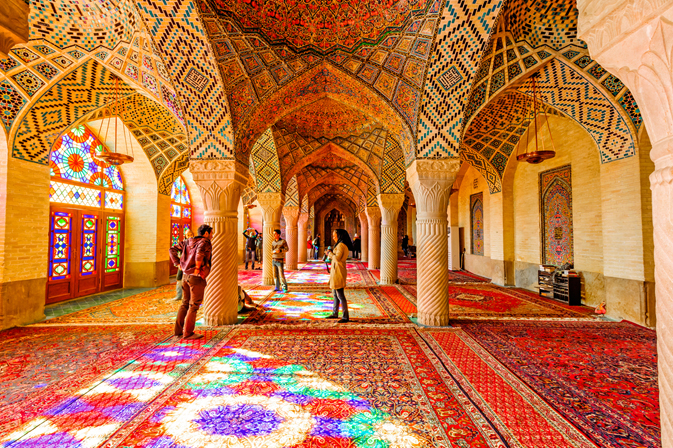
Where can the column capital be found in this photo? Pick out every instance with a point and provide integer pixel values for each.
(270, 204)
(291, 215)
(303, 219)
(373, 213)
(220, 183)
(390, 205)
(431, 182)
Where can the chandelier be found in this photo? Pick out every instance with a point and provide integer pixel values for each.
(114, 111)
(539, 155)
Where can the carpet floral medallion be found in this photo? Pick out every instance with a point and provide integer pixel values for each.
(313, 388)
(601, 376)
(365, 305)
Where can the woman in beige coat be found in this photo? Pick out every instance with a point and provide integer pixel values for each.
(337, 278)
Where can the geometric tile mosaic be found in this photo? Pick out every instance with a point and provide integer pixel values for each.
(265, 161)
(29, 82)
(11, 102)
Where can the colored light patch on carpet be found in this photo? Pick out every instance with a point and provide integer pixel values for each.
(486, 301)
(502, 397)
(313, 388)
(354, 279)
(44, 365)
(91, 414)
(247, 278)
(155, 306)
(601, 376)
(314, 266)
(367, 305)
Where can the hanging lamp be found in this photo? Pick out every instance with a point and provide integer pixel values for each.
(116, 110)
(539, 155)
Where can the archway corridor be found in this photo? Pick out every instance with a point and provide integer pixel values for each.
(503, 168)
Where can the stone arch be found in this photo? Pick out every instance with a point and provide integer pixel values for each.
(334, 178)
(338, 152)
(324, 80)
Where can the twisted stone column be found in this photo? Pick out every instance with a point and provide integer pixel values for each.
(302, 226)
(220, 183)
(364, 237)
(390, 205)
(272, 205)
(374, 255)
(431, 181)
(291, 233)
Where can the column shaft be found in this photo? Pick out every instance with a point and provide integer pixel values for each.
(374, 255)
(364, 238)
(271, 204)
(431, 181)
(302, 229)
(220, 183)
(390, 205)
(291, 234)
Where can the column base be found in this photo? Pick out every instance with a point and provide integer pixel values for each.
(218, 321)
(433, 320)
(268, 281)
(387, 281)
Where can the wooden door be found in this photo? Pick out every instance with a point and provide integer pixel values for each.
(113, 252)
(88, 268)
(62, 237)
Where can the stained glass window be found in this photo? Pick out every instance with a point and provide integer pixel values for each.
(88, 247)
(181, 210)
(112, 244)
(175, 211)
(179, 192)
(74, 194)
(73, 158)
(114, 201)
(60, 245)
(175, 233)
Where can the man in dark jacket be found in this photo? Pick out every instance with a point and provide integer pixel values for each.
(250, 246)
(195, 264)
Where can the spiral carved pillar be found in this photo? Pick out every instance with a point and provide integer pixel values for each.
(364, 239)
(291, 234)
(646, 30)
(431, 181)
(272, 205)
(220, 183)
(374, 255)
(390, 205)
(302, 230)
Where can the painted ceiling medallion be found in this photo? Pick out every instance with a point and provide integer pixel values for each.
(322, 25)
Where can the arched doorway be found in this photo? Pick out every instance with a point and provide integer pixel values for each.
(181, 213)
(86, 222)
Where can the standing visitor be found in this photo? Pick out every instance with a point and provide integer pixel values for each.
(250, 246)
(309, 247)
(316, 246)
(195, 262)
(337, 278)
(178, 285)
(279, 248)
(357, 245)
(405, 245)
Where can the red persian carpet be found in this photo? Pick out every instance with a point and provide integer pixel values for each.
(601, 376)
(521, 416)
(41, 366)
(486, 301)
(399, 299)
(313, 388)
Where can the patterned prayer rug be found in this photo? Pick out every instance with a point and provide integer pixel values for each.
(320, 266)
(601, 376)
(41, 366)
(249, 277)
(486, 301)
(407, 276)
(521, 416)
(400, 299)
(88, 415)
(313, 388)
(155, 306)
(365, 306)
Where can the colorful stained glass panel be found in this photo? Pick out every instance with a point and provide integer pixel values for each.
(112, 243)
(60, 245)
(175, 211)
(73, 158)
(175, 233)
(114, 201)
(186, 212)
(88, 246)
(74, 194)
(185, 229)
(179, 192)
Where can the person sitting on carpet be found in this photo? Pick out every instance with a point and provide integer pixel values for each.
(338, 274)
(245, 303)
